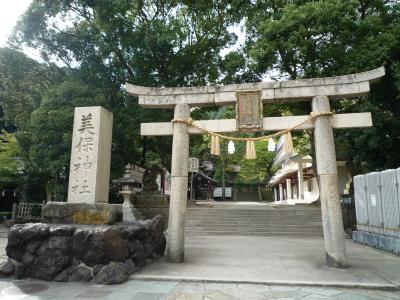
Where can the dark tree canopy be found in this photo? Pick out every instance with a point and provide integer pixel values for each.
(89, 49)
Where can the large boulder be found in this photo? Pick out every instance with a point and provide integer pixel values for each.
(138, 230)
(21, 236)
(14, 238)
(99, 246)
(63, 276)
(81, 273)
(160, 245)
(62, 230)
(113, 273)
(110, 254)
(34, 232)
(137, 252)
(20, 270)
(7, 268)
(53, 256)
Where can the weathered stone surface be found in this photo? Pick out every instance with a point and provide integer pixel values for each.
(63, 230)
(99, 246)
(157, 226)
(112, 273)
(304, 89)
(158, 239)
(96, 269)
(148, 246)
(20, 270)
(81, 273)
(137, 252)
(52, 257)
(82, 252)
(160, 246)
(15, 252)
(130, 266)
(82, 213)
(27, 259)
(63, 276)
(92, 185)
(139, 230)
(34, 232)
(7, 268)
(33, 246)
(14, 237)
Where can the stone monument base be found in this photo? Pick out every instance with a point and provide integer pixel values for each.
(81, 213)
(71, 252)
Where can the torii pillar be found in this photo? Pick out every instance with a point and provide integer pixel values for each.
(179, 184)
(331, 210)
(318, 90)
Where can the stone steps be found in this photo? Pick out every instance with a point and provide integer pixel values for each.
(280, 233)
(288, 221)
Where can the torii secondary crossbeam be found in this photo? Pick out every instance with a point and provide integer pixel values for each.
(318, 91)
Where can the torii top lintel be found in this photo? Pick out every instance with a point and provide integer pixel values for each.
(352, 85)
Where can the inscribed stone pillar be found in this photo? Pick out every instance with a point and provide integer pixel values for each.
(89, 173)
(179, 184)
(329, 193)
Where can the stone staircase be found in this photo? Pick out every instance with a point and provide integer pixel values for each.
(291, 221)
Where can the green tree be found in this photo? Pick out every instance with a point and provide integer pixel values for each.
(10, 163)
(302, 39)
(98, 46)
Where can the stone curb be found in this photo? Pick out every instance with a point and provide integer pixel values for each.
(382, 287)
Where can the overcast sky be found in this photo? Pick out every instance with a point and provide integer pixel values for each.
(10, 11)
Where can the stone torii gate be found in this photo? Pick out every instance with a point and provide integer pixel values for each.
(319, 91)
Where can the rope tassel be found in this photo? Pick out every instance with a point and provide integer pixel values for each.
(215, 148)
(250, 150)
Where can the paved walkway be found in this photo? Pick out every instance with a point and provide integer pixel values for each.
(173, 290)
(237, 268)
(276, 260)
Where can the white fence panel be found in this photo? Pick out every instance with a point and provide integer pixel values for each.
(374, 203)
(360, 198)
(390, 202)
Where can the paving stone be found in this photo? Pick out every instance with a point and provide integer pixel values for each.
(354, 296)
(291, 294)
(218, 295)
(244, 294)
(187, 296)
(93, 294)
(316, 297)
(254, 287)
(147, 296)
(322, 291)
(375, 294)
(219, 286)
(279, 288)
(193, 287)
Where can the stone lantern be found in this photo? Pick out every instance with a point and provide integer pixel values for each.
(128, 186)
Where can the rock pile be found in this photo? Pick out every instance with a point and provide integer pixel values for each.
(107, 254)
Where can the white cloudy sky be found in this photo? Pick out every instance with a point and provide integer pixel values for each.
(10, 11)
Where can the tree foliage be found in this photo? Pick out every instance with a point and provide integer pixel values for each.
(10, 163)
(91, 48)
